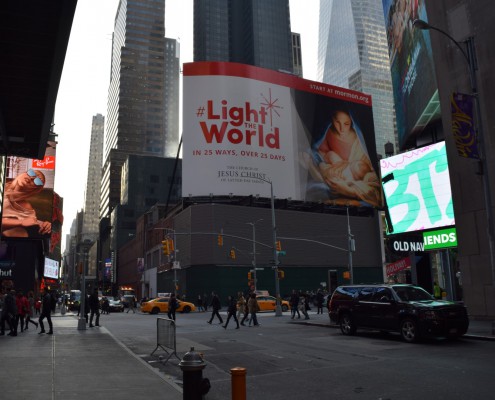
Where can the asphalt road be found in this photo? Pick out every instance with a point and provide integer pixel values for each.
(287, 360)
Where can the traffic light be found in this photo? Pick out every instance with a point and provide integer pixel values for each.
(250, 275)
(165, 247)
(232, 254)
(220, 240)
(171, 245)
(281, 274)
(278, 245)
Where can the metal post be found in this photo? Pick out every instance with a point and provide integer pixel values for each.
(174, 265)
(255, 279)
(278, 307)
(350, 247)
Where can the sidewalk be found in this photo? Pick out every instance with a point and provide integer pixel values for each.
(72, 364)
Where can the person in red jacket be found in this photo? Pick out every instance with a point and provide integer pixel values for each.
(22, 309)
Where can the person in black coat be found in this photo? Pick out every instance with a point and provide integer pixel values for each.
(294, 303)
(9, 311)
(172, 306)
(216, 306)
(94, 306)
(232, 310)
(46, 309)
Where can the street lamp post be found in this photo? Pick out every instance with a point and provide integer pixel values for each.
(253, 224)
(278, 307)
(470, 58)
(81, 322)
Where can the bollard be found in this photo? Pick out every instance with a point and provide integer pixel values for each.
(238, 383)
(194, 386)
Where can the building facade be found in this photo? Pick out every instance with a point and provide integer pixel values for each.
(253, 32)
(91, 219)
(353, 53)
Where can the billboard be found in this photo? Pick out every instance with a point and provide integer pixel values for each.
(28, 196)
(416, 186)
(245, 126)
(412, 68)
(51, 268)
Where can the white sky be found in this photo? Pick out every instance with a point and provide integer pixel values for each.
(85, 78)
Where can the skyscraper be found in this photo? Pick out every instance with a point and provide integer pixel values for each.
(353, 53)
(253, 32)
(91, 218)
(136, 115)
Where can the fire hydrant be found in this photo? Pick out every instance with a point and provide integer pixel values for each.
(194, 385)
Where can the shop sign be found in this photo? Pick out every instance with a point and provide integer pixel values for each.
(440, 239)
(407, 245)
(398, 266)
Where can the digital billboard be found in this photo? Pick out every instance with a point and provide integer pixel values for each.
(51, 268)
(28, 196)
(412, 68)
(416, 185)
(245, 125)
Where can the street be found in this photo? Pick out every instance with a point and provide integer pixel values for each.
(285, 358)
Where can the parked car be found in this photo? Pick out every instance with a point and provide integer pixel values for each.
(407, 309)
(160, 304)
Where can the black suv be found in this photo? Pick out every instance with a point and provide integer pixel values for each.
(407, 309)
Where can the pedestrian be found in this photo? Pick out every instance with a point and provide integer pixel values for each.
(132, 305)
(199, 303)
(86, 308)
(241, 303)
(46, 307)
(172, 306)
(22, 310)
(94, 306)
(302, 305)
(216, 306)
(319, 302)
(437, 291)
(105, 306)
(37, 306)
(205, 301)
(294, 304)
(30, 313)
(9, 311)
(253, 308)
(231, 312)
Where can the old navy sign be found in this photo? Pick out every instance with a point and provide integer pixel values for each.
(440, 239)
(407, 245)
(398, 266)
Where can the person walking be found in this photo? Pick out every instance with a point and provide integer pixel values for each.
(94, 306)
(132, 305)
(205, 301)
(9, 311)
(215, 306)
(319, 302)
(30, 313)
(37, 307)
(241, 303)
(294, 304)
(172, 306)
(46, 308)
(22, 310)
(253, 308)
(231, 312)
(302, 305)
(199, 303)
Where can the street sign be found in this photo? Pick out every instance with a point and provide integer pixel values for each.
(281, 253)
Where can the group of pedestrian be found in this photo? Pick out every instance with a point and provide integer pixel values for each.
(236, 308)
(299, 303)
(19, 310)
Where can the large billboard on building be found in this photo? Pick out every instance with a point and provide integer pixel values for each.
(412, 68)
(244, 126)
(416, 186)
(28, 196)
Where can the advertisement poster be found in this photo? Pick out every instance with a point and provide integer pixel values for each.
(51, 268)
(245, 127)
(413, 75)
(417, 189)
(28, 196)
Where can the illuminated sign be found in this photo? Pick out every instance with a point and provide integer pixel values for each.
(440, 239)
(416, 186)
(51, 268)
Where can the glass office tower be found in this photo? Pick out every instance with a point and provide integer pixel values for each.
(254, 32)
(353, 53)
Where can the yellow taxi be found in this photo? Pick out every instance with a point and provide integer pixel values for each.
(160, 304)
(268, 303)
